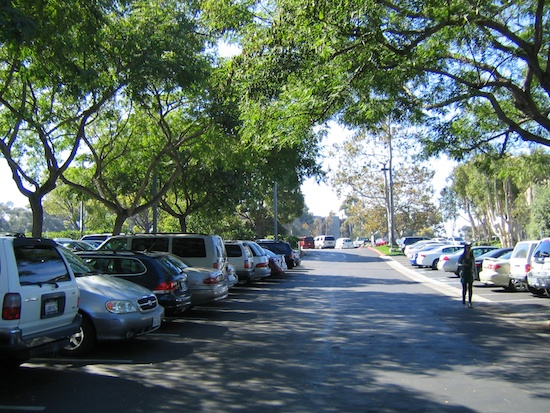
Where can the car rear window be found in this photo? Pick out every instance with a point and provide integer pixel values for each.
(189, 247)
(233, 250)
(329, 239)
(37, 264)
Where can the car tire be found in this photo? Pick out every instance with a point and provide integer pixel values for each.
(434, 264)
(82, 342)
(517, 286)
(537, 292)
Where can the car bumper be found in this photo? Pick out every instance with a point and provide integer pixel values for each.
(262, 272)
(494, 278)
(175, 304)
(123, 326)
(538, 282)
(13, 344)
(209, 293)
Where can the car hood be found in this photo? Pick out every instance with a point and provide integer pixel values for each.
(111, 287)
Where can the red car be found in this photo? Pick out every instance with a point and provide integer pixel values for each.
(306, 243)
(380, 241)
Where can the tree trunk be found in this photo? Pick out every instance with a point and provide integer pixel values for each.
(37, 209)
(119, 222)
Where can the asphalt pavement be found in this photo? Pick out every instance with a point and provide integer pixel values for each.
(521, 309)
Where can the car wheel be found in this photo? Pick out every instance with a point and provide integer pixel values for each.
(434, 264)
(516, 285)
(538, 292)
(82, 342)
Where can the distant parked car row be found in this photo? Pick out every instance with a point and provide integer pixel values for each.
(526, 267)
(130, 283)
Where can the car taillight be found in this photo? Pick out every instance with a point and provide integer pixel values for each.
(246, 264)
(211, 280)
(445, 258)
(261, 265)
(422, 255)
(527, 267)
(165, 287)
(11, 308)
(215, 265)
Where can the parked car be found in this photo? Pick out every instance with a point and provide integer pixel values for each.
(380, 242)
(420, 245)
(281, 248)
(152, 270)
(490, 254)
(306, 243)
(95, 239)
(403, 242)
(342, 243)
(231, 276)
(449, 262)
(360, 241)
(205, 284)
(74, 245)
(520, 264)
(324, 241)
(430, 257)
(457, 240)
(276, 262)
(39, 296)
(261, 262)
(196, 250)
(496, 271)
(111, 309)
(241, 257)
(538, 278)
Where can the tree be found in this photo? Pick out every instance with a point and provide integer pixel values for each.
(361, 177)
(52, 82)
(73, 61)
(476, 72)
(497, 194)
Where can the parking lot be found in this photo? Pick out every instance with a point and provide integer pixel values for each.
(346, 331)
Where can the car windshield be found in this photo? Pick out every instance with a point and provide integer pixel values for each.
(79, 267)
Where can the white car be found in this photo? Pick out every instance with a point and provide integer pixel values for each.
(324, 241)
(360, 241)
(449, 262)
(344, 243)
(417, 246)
(495, 271)
(430, 258)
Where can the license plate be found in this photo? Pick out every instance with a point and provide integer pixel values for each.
(51, 307)
(156, 321)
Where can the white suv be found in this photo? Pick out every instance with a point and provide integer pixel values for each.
(538, 278)
(324, 241)
(40, 299)
(195, 250)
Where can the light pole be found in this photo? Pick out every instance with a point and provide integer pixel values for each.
(389, 188)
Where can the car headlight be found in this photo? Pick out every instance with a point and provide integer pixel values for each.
(120, 307)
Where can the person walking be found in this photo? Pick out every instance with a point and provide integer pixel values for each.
(467, 267)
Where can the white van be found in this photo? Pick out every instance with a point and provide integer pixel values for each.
(324, 241)
(520, 264)
(196, 250)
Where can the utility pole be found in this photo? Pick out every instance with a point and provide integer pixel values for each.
(389, 187)
(275, 218)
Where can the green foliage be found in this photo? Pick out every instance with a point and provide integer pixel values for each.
(539, 225)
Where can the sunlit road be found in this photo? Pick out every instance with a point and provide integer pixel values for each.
(347, 331)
